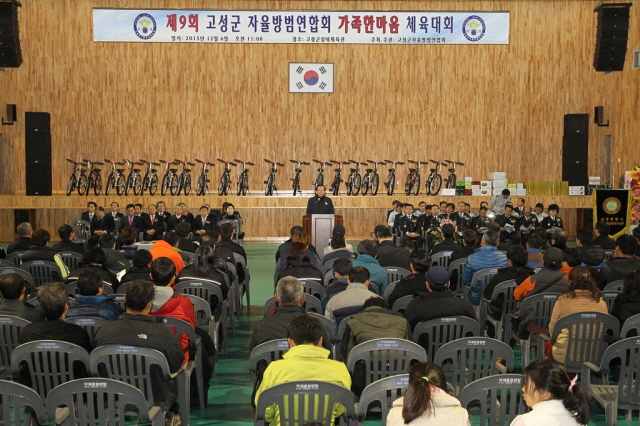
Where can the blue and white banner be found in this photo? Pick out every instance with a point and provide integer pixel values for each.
(310, 78)
(299, 26)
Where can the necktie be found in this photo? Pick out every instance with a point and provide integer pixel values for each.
(90, 217)
(152, 220)
(130, 220)
(203, 220)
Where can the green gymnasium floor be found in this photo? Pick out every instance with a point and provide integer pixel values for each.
(230, 392)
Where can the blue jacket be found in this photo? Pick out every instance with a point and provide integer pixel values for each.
(482, 258)
(378, 275)
(95, 306)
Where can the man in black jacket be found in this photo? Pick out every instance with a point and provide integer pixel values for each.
(591, 255)
(409, 225)
(447, 244)
(603, 239)
(320, 203)
(388, 253)
(419, 266)
(13, 292)
(183, 230)
(152, 224)
(623, 262)
(67, 235)
(23, 242)
(101, 224)
(39, 250)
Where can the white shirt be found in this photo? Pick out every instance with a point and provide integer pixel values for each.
(547, 413)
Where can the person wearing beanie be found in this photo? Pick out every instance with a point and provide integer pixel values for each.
(549, 280)
(337, 232)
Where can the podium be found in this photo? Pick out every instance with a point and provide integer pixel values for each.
(320, 226)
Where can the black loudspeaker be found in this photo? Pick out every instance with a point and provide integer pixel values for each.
(575, 149)
(20, 216)
(612, 35)
(38, 153)
(576, 123)
(576, 175)
(10, 53)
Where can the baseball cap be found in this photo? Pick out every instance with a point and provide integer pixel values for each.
(438, 277)
(338, 230)
(552, 258)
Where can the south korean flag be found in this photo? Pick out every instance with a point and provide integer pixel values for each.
(310, 78)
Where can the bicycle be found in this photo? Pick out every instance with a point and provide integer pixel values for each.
(203, 180)
(270, 183)
(170, 178)
(391, 180)
(116, 178)
(296, 178)
(451, 180)
(94, 179)
(133, 179)
(337, 178)
(225, 179)
(412, 184)
(371, 180)
(76, 177)
(320, 176)
(434, 181)
(243, 177)
(184, 178)
(150, 179)
(354, 181)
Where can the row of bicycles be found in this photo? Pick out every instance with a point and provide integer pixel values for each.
(142, 176)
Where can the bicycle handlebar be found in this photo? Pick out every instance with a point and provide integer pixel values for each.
(205, 162)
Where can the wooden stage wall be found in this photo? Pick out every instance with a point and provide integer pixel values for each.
(265, 218)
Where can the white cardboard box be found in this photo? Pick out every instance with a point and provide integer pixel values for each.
(519, 185)
(468, 179)
(497, 176)
(448, 192)
(485, 192)
(486, 184)
(500, 183)
(520, 192)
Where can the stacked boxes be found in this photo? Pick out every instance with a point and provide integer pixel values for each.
(468, 186)
(500, 182)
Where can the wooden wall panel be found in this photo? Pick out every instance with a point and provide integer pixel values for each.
(492, 107)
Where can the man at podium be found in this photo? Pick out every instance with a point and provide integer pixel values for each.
(319, 204)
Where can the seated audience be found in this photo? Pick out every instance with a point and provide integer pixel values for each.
(53, 302)
(136, 328)
(183, 230)
(552, 222)
(487, 256)
(426, 400)
(542, 233)
(168, 302)
(101, 224)
(13, 291)
(350, 301)
(130, 220)
(516, 261)
(141, 269)
(341, 268)
(526, 224)
(623, 261)
(559, 239)
(283, 248)
(23, 242)
(92, 302)
(95, 259)
(407, 225)
(67, 236)
(554, 397)
(626, 304)
(337, 231)
(549, 280)
(468, 246)
(571, 258)
(407, 244)
(420, 264)
(602, 239)
(388, 253)
(539, 212)
(129, 236)
(211, 239)
(435, 301)
(502, 245)
(582, 295)
(202, 223)
(338, 249)
(167, 247)
(305, 239)
(534, 255)
(591, 255)
(203, 268)
(290, 300)
(115, 260)
(508, 223)
(305, 360)
(226, 231)
(367, 257)
(299, 264)
(447, 244)
(152, 224)
(176, 218)
(39, 250)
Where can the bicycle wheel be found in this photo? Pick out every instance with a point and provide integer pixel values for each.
(268, 187)
(391, 184)
(435, 185)
(375, 181)
(72, 183)
(222, 186)
(165, 184)
(366, 183)
(83, 184)
(335, 186)
(97, 184)
(120, 184)
(349, 185)
(127, 186)
(145, 183)
(186, 184)
(245, 184)
(319, 180)
(202, 183)
(416, 184)
(357, 182)
(408, 184)
(153, 184)
(137, 184)
(240, 180)
(110, 180)
(174, 184)
(451, 181)
(296, 185)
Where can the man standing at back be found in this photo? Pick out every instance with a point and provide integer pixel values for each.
(388, 253)
(487, 256)
(320, 203)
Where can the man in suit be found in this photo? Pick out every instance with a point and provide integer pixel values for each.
(137, 209)
(23, 242)
(527, 223)
(176, 218)
(114, 213)
(102, 223)
(407, 224)
(152, 224)
(67, 235)
(202, 223)
(508, 225)
(90, 213)
(162, 211)
(131, 220)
